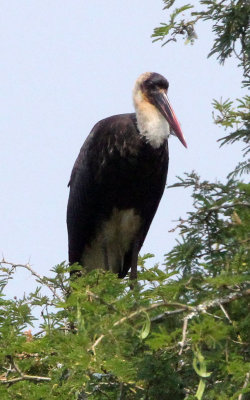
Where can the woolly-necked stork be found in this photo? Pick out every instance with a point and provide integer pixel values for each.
(118, 180)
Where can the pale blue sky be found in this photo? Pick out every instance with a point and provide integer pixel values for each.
(64, 66)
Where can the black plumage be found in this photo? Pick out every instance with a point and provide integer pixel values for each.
(116, 168)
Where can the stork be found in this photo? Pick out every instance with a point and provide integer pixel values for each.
(118, 180)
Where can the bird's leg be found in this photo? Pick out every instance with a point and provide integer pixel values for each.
(105, 255)
(134, 259)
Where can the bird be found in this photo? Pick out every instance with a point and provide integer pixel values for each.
(118, 180)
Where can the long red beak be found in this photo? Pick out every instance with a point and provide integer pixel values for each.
(165, 108)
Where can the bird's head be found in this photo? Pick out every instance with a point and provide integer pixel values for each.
(150, 96)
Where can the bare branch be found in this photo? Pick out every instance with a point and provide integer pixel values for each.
(97, 342)
(138, 312)
(226, 299)
(225, 206)
(41, 279)
(121, 392)
(161, 317)
(184, 334)
(201, 308)
(17, 368)
(226, 313)
(25, 378)
(244, 386)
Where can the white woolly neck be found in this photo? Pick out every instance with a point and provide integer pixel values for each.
(150, 121)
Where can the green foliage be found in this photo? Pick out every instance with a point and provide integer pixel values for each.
(230, 24)
(182, 330)
(99, 338)
(238, 118)
(213, 234)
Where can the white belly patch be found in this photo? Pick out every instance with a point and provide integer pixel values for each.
(112, 241)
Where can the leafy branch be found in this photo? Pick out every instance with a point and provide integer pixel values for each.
(22, 377)
(194, 311)
(230, 24)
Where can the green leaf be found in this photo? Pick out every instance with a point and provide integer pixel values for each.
(146, 327)
(200, 389)
(199, 365)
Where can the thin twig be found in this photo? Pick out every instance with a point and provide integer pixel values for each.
(209, 211)
(226, 299)
(161, 317)
(24, 355)
(17, 368)
(201, 308)
(138, 312)
(25, 378)
(97, 342)
(151, 307)
(102, 392)
(121, 392)
(245, 385)
(184, 334)
(217, 208)
(96, 297)
(40, 278)
(226, 313)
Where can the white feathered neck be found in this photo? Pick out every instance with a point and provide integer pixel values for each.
(150, 121)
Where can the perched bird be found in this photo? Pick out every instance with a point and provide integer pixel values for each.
(118, 180)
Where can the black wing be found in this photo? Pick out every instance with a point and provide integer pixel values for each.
(91, 187)
(115, 168)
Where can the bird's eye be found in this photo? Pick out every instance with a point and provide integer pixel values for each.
(163, 86)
